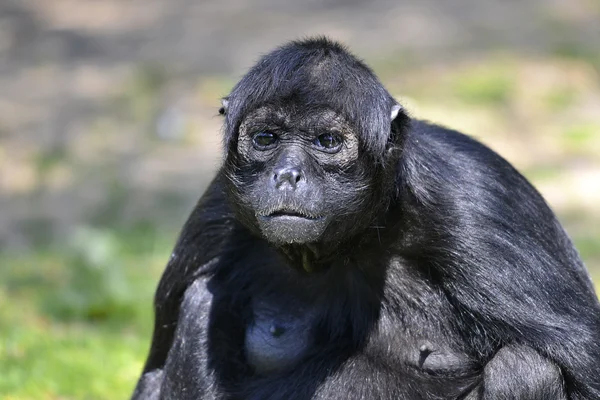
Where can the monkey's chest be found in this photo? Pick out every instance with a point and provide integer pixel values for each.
(278, 336)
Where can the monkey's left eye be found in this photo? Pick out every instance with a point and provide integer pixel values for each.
(329, 141)
(264, 140)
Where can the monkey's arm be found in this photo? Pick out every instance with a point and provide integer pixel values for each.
(198, 248)
(501, 257)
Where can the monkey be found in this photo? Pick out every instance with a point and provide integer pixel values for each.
(347, 250)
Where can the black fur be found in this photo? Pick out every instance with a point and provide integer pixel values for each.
(442, 273)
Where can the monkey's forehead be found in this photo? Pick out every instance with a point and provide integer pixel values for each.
(295, 114)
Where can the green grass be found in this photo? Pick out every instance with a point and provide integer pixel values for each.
(48, 359)
(77, 326)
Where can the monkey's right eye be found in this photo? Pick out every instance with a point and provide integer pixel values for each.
(264, 140)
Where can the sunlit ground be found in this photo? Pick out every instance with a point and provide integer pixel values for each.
(75, 320)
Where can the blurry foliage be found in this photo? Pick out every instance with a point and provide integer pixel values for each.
(49, 159)
(110, 211)
(395, 63)
(546, 172)
(139, 96)
(577, 51)
(214, 87)
(490, 85)
(94, 286)
(582, 138)
(37, 228)
(560, 98)
(589, 250)
(80, 315)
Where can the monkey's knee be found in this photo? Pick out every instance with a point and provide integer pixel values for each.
(521, 373)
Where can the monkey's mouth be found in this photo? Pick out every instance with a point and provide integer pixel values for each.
(291, 226)
(291, 214)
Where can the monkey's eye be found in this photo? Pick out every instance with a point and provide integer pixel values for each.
(329, 141)
(264, 140)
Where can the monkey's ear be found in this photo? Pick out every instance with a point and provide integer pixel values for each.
(224, 106)
(399, 120)
(395, 110)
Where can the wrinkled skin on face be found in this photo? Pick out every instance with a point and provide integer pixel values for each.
(299, 175)
(312, 142)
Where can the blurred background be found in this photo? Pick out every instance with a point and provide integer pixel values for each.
(109, 132)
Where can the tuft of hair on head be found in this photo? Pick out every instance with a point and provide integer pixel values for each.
(319, 42)
(316, 72)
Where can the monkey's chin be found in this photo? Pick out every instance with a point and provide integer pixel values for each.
(285, 229)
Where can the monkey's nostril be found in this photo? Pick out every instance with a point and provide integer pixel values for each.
(287, 177)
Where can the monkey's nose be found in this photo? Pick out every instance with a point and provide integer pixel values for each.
(285, 177)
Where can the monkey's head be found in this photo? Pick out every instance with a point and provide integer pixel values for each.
(311, 137)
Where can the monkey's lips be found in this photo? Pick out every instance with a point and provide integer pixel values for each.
(292, 214)
(291, 226)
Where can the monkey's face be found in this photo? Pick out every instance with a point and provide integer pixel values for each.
(295, 175)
